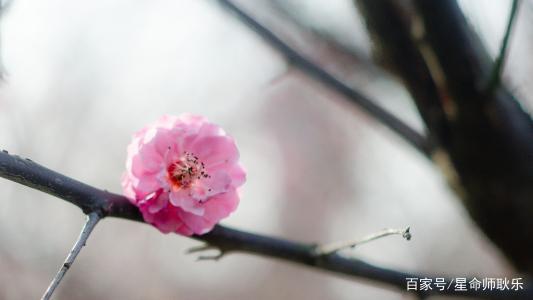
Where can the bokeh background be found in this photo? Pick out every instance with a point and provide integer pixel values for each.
(81, 76)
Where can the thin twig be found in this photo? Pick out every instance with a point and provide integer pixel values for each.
(200, 248)
(92, 220)
(226, 239)
(413, 137)
(330, 248)
(497, 69)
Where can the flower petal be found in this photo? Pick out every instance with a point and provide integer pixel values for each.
(216, 151)
(183, 200)
(220, 206)
(182, 172)
(238, 176)
(217, 183)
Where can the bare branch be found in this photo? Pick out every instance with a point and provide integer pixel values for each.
(226, 239)
(485, 137)
(417, 140)
(28, 173)
(200, 248)
(92, 220)
(496, 73)
(489, 141)
(393, 41)
(337, 246)
(215, 257)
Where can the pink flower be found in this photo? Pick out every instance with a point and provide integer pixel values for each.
(183, 174)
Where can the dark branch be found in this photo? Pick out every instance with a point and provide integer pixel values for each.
(92, 220)
(91, 199)
(486, 134)
(391, 34)
(410, 135)
(495, 77)
(28, 173)
(490, 141)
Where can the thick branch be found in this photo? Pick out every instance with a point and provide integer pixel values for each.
(26, 172)
(410, 135)
(485, 133)
(391, 34)
(226, 239)
(490, 141)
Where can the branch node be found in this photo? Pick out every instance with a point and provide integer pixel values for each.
(407, 233)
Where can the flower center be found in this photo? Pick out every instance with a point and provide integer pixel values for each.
(186, 170)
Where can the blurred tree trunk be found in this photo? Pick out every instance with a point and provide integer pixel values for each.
(485, 134)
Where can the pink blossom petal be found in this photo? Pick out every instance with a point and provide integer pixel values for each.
(217, 208)
(196, 224)
(192, 119)
(127, 188)
(184, 230)
(162, 141)
(238, 176)
(221, 206)
(157, 201)
(166, 121)
(150, 159)
(216, 151)
(164, 221)
(209, 129)
(217, 183)
(182, 199)
(182, 172)
(165, 218)
(145, 187)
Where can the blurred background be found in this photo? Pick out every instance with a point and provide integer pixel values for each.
(81, 76)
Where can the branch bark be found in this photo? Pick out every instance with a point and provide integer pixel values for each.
(92, 220)
(485, 134)
(491, 136)
(91, 200)
(341, 245)
(414, 138)
(396, 47)
(497, 69)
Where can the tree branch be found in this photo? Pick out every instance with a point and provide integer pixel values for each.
(92, 220)
(93, 200)
(391, 34)
(415, 139)
(337, 246)
(485, 136)
(490, 137)
(497, 69)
